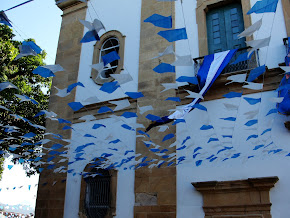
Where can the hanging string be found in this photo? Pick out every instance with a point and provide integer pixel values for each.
(18, 5)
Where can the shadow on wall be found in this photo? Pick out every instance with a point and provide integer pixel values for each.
(287, 125)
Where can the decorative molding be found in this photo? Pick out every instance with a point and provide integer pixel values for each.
(239, 197)
(92, 109)
(96, 57)
(63, 5)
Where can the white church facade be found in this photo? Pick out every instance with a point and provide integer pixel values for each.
(225, 159)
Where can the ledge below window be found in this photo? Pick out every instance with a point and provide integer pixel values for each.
(240, 198)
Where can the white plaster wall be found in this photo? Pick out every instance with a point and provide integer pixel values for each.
(123, 16)
(125, 182)
(274, 26)
(263, 164)
(185, 16)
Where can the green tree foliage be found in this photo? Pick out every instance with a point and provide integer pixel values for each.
(19, 72)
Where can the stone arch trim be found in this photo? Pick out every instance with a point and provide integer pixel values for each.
(97, 48)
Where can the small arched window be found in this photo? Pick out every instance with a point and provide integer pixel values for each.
(110, 41)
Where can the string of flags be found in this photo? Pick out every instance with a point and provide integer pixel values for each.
(211, 68)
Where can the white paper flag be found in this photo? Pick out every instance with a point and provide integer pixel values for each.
(251, 29)
(256, 44)
(120, 104)
(183, 61)
(239, 78)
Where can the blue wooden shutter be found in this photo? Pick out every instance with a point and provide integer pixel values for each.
(223, 26)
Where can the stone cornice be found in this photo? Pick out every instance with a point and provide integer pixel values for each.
(265, 183)
(67, 3)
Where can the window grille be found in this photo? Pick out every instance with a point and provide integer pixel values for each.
(97, 198)
(111, 44)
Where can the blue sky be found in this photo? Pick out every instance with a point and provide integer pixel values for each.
(39, 19)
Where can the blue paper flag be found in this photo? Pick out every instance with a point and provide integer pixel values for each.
(134, 94)
(56, 146)
(75, 106)
(181, 148)
(10, 167)
(224, 149)
(164, 68)
(128, 151)
(265, 131)
(129, 114)
(44, 72)
(110, 87)
(4, 19)
(154, 149)
(125, 126)
(252, 137)
(21, 160)
(243, 57)
(194, 155)
(200, 107)
(233, 95)
(189, 79)
(272, 111)
(178, 121)
(236, 155)
(275, 151)
(210, 157)
(264, 6)
(164, 150)
(160, 21)
(176, 99)
(152, 117)
(72, 86)
(60, 120)
(198, 163)
(32, 45)
(256, 73)
(29, 135)
(115, 141)
(174, 35)
(167, 137)
(39, 114)
(229, 119)
(110, 57)
(104, 109)
(196, 149)
(89, 136)
(67, 127)
(96, 126)
(251, 122)
(50, 158)
(257, 147)
(206, 127)
(252, 101)
(227, 136)
(90, 36)
(213, 140)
